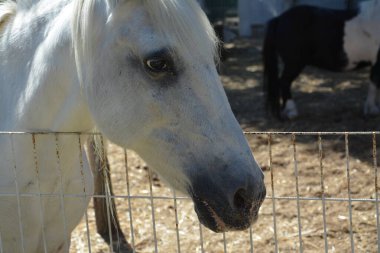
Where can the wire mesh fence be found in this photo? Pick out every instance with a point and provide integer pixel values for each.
(322, 196)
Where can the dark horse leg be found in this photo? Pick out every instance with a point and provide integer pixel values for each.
(107, 222)
(375, 71)
(289, 74)
(371, 106)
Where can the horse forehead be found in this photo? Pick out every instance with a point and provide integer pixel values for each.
(129, 12)
(131, 22)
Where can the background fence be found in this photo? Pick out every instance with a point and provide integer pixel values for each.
(322, 196)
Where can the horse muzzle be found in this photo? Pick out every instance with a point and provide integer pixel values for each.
(228, 204)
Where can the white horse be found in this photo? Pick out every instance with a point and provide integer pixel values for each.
(143, 73)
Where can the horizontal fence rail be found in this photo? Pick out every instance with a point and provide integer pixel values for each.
(322, 196)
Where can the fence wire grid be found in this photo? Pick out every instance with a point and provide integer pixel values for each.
(322, 196)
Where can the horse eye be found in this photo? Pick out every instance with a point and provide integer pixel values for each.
(157, 65)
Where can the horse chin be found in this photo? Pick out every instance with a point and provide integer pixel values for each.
(223, 220)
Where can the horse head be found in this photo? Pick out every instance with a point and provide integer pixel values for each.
(148, 73)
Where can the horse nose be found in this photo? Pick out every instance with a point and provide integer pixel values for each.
(248, 199)
(245, 190)
(229, 200)
(241, 199)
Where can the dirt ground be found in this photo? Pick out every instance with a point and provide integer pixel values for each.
(327, 102)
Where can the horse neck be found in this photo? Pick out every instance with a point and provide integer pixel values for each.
(39, 88)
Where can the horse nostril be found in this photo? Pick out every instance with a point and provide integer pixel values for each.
(240, 199)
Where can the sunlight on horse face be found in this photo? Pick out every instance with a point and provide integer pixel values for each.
(165, 100)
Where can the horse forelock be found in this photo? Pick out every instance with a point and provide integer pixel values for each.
(182, 18)
(186, 20)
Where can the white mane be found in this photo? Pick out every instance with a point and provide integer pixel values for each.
(13, 6)
(167, 16)
(10, 8)
(7, 9)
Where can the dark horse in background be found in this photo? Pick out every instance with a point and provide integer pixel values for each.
(335, 40)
